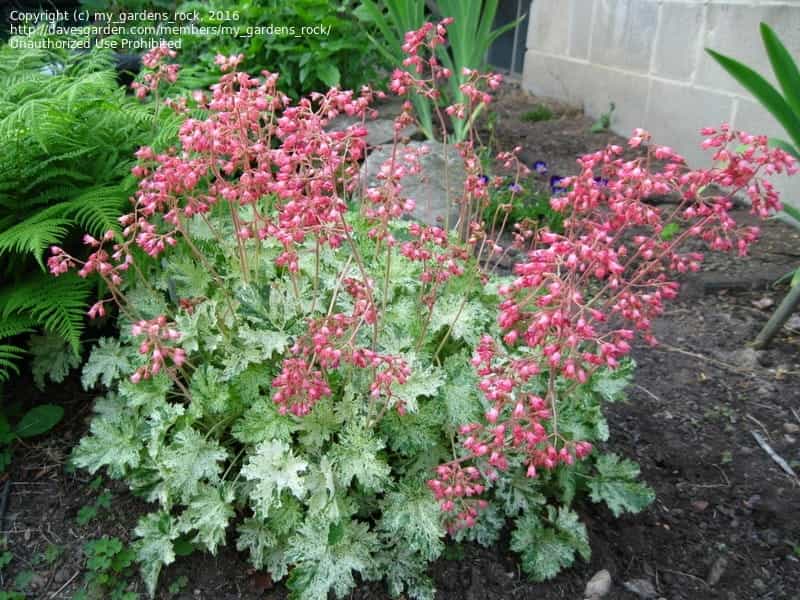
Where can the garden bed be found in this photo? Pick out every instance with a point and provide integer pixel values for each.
(724, 523)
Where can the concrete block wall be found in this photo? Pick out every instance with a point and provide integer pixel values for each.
(647, 56)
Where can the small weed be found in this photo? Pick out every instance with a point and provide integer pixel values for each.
(87, 513)
(727, 457)
(50, 555)
(23, 579)
(5, 558)
(721, 412)
(521, 205)
(110, 564)
(177, 586)
(603, 123)
(454, 552)
(669, 231)
(539, 113)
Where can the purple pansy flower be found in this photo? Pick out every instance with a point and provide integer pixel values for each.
(540, 167)
(484, 179)
(601, 180)
(555, 187)
(515, 188)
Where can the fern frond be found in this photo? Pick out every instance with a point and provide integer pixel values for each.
(56, 304)
(98, 209)
(57, 173)
(33, 236)
(9, 355)
(14, 325)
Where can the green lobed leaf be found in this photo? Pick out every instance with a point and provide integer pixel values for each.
(611, 384)
(413, 434)
(274, 468)
(356, 456)
(53, 359)
(321, 566)
(406, 572)
(321, 484)
(548, 546)
(261, 422)
(209, 392)
(189, 461)
(199, 329)
(265, 549)
(466, 320)
(113, 443)
(460, 392)
(148, 393)
(154, 549)
(424, 381)
(615, 484)
(412, 517)
(518, 493)
(208, 513)
(108, 361)
(320, 425)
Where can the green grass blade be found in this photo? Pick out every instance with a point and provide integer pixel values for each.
(792, 212)
(767, 95)
(784, 66)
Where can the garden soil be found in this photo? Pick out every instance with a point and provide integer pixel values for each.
(726, 520)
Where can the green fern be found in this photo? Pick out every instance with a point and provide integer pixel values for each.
(69, 133)
(9, 355)
(56, 304)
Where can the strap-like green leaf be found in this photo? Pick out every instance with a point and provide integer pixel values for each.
(792, 212)
(764, 92)
(784, 67)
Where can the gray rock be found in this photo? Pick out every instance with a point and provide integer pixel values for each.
(747, 358)
(431, 188)
(379, 131)
(598, 586)
(62, 574)
(717, 570)
(793, 323)
(642, 588)
(791, 428)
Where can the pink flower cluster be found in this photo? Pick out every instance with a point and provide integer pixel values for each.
(158, 333)
(110, 267)
(455, 488)
(330, 342)
(580, 297)
(305, 171)
(441, 259)
(159, 70)
(614, 263)
(424, 72)
(299, 386)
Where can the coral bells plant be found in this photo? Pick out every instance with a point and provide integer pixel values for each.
(344, 388)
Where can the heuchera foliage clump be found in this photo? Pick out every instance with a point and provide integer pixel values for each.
(345, 388)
